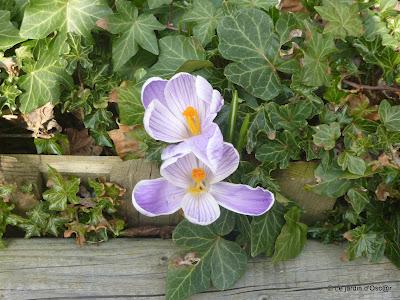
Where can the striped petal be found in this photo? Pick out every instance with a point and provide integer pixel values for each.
(153, 89)
(157, 197)
(162, 125)
(242, 199)
(227, 164)
(201, 209)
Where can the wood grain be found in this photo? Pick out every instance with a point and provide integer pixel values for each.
(136, 269)
(34, 168)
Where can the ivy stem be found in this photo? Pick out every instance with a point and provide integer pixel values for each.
(370, 87)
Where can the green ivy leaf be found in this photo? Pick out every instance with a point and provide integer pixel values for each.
(62, 191)
(249, 40)
(43, 17)
(343, 18)
(134, 30)
(292, 237)
(316, 70)
(41, 83)
(260, 124)
(390, 115)
(157, 3)
(292, 116)
(9, 35)
(57, 144)
(175, 51)
(265, 230)
(333, 182)
(366, 243)
(358, 199)
(78, 53)
(218, 261)
(225, 223)
(263, 4)
(392, 251)
(354, 164)
(129, 104)
(280, 150)
(206, 16)
(326, 135)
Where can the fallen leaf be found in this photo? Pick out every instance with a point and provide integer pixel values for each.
(10, 65)
(382, 192)
(81, 143)
(292, 6)
(102, 23)
(190, 259)
(124, 141)
(41, 122)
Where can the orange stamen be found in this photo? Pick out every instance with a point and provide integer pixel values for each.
(193, 120)
(198, 175)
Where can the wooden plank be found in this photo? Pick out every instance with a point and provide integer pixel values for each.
(126, 173)
(136, 268)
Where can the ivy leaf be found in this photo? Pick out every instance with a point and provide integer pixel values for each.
(390, 115)
(332, 182)
(354, 164)
(206, 16)
(176, 51)
(292, 237)
(57, 144)
(290, 116)
(279, 151)
(265, 230)
(157, 3)
(264, 4)
(9, 35)
(358, 199)
(225, 223)
(366, 243)
(41, 83)
(248, 40)
(135, 30)
(392, 251)
(129, 104)
(78, 53)
(219, 261)
(326, 135)
(62, 191)
(343, 18)
(316, 70)
(43, 17)
(260, 124)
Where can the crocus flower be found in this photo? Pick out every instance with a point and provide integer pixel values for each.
(188, 183)
(181, 110)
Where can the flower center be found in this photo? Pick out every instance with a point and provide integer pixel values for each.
(198, 176)
(193, 120)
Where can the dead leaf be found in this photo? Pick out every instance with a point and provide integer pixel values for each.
(149, 231)
(124, 141)
(10, 65)
(292, 6)
(41, 122)
(113, 96)
(382, 192)
(348, 236)
(190, 259)
(102, 23)
(81, 143)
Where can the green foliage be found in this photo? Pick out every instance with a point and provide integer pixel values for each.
(214, 260)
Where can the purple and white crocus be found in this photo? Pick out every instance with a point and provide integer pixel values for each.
(181, 110)
(188, 183)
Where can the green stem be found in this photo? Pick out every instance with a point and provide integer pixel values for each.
(243, 133)
(232, 115)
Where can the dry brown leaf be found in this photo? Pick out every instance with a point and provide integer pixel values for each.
(190, 259)
(10, 65)
(382, 192)
(102, 23)
(124, 141)
(41, 122)
(81, 143)
(292, 6)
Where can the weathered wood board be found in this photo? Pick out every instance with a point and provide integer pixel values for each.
(136, 268)
(20, 168)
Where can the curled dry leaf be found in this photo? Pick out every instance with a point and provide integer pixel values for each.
(41, 122)
(190, 259)
(102, 23)
(10, 65)
(382, 192)
(81, 143)
(292, 6)
(125, 142)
